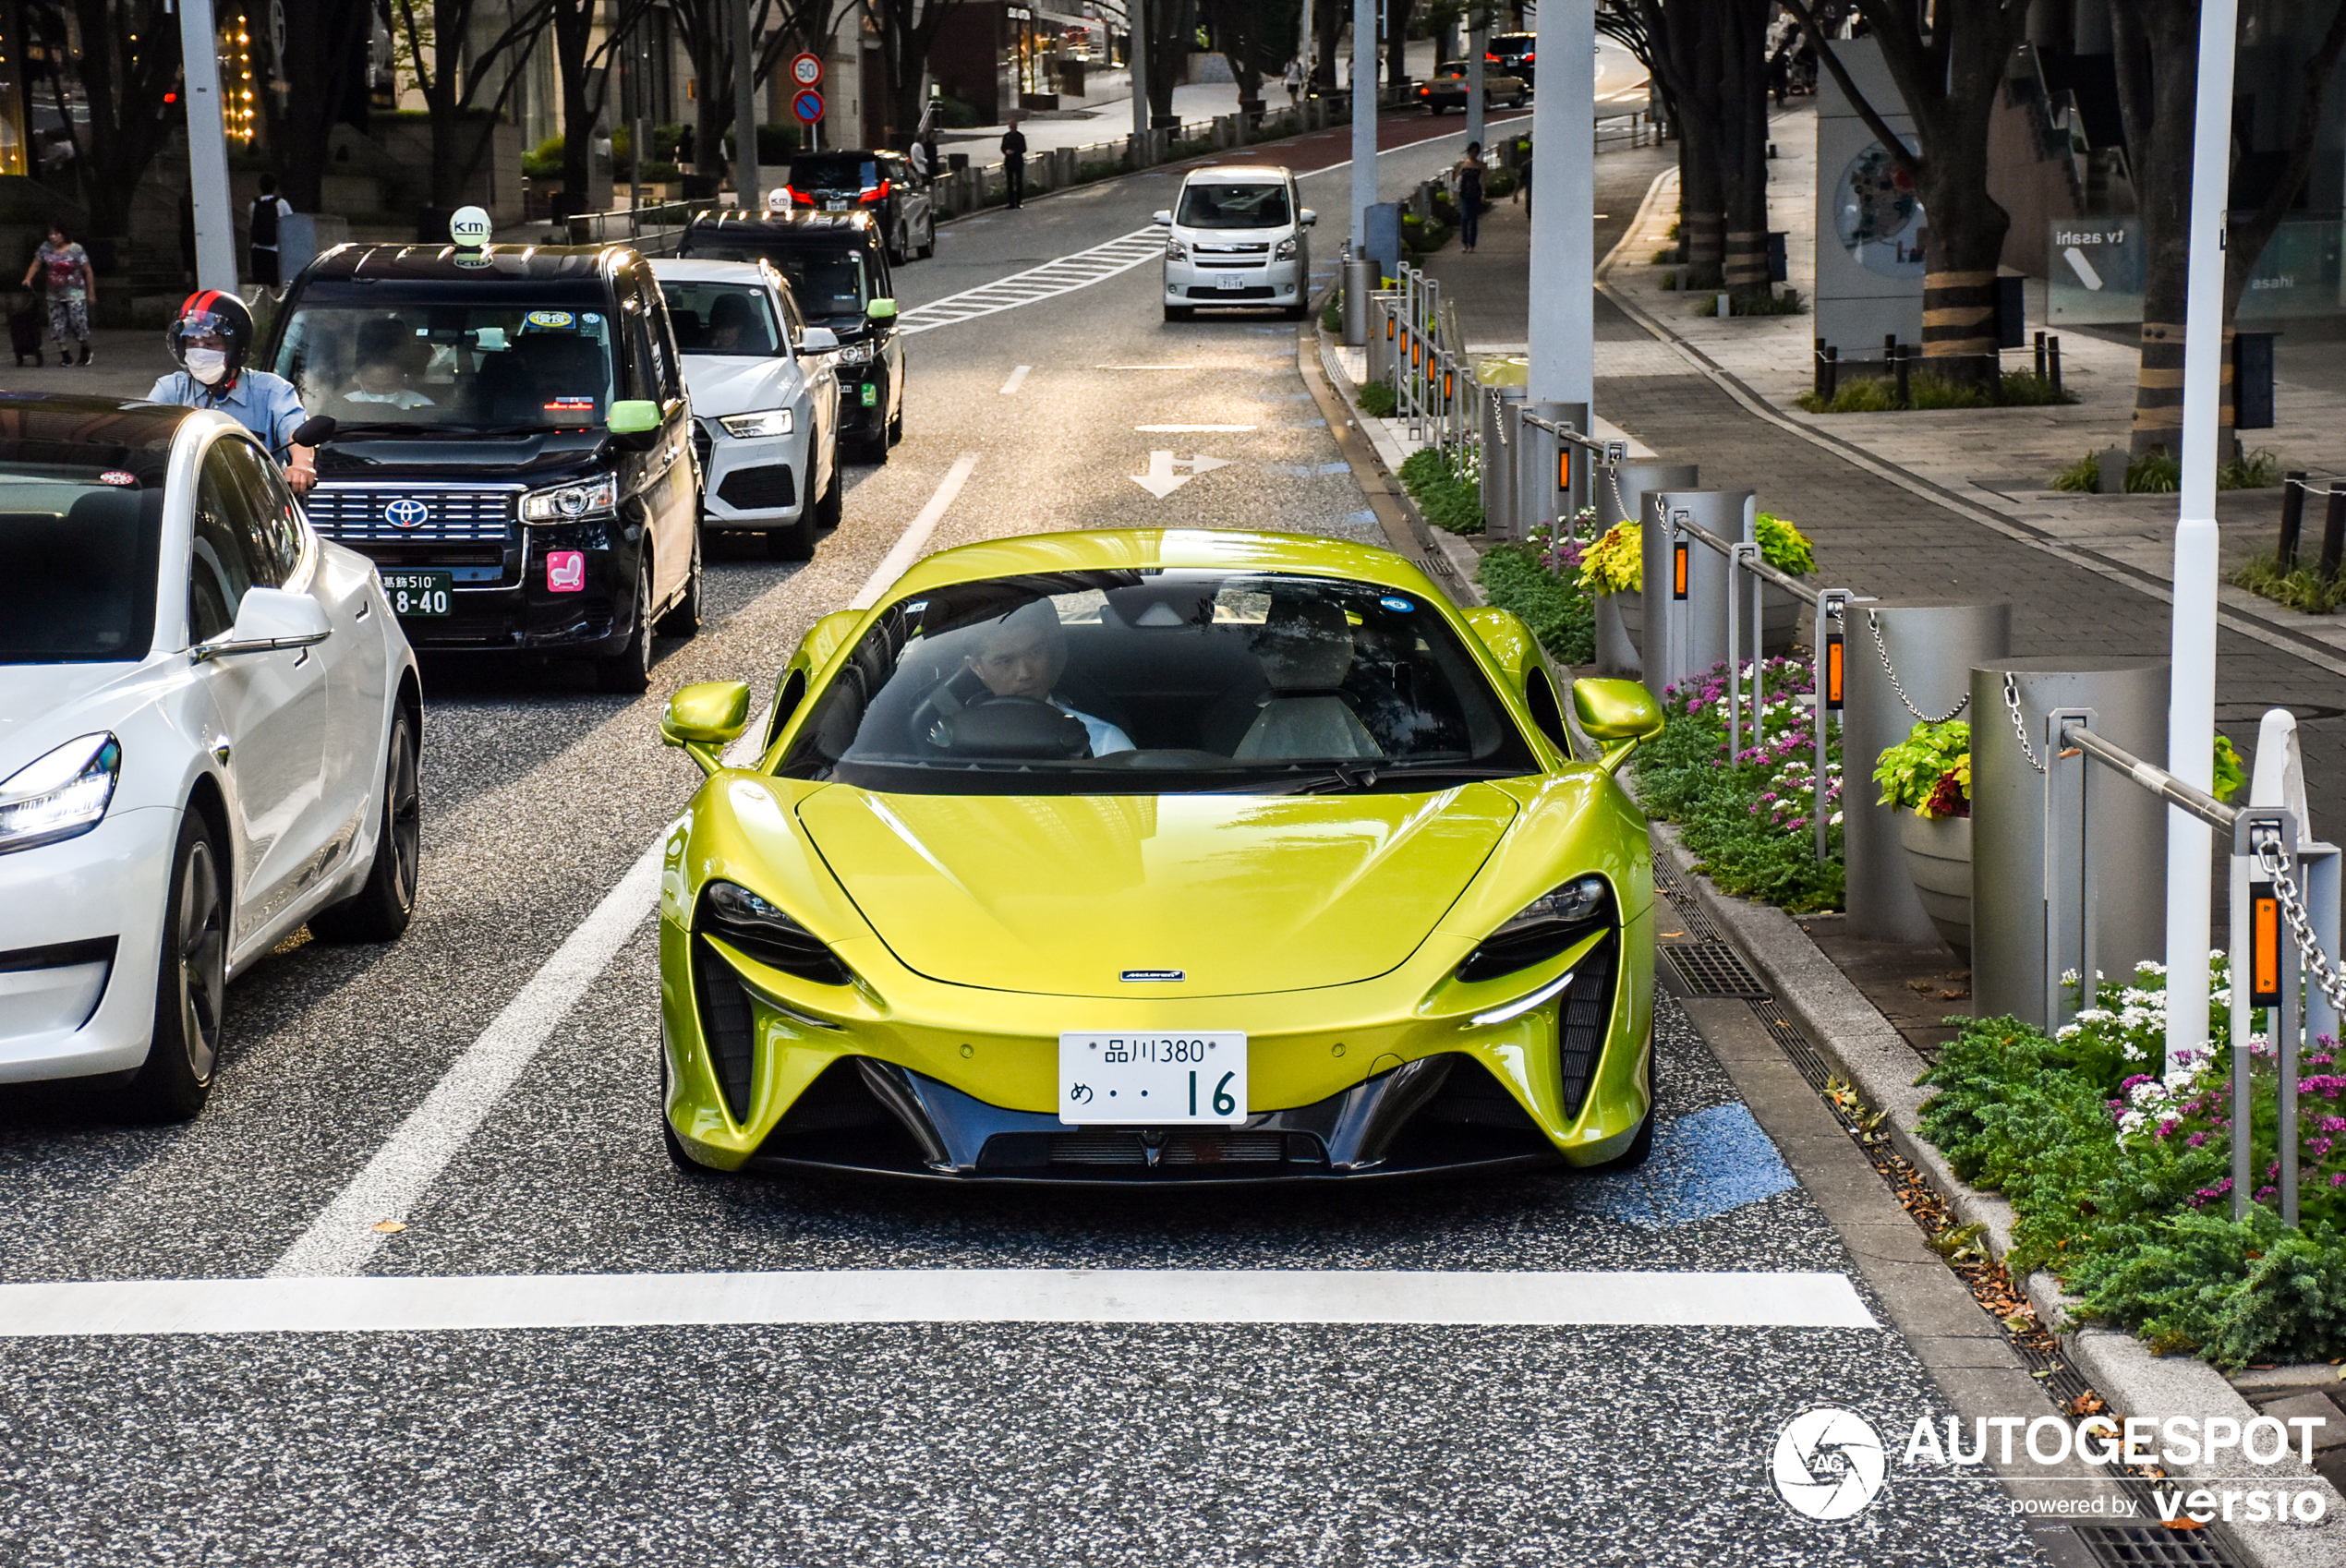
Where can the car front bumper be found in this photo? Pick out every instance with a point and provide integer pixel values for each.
(530, 605)
(756, 483)
(80, 930)
(1274, 282)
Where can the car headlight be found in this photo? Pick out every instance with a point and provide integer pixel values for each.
(59, 794)
(735, 915)
(1285, 252)
(1541, 929)
(1175, 251)
(767, 422)
(857, 353)
(564, 503)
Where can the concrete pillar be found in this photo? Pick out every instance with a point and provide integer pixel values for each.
(1688, 636)
(1563, 221)
(1622, 498)
(1932, 645)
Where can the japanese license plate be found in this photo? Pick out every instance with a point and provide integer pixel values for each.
(1229, 280)
(1146, 1077)
(418, 593)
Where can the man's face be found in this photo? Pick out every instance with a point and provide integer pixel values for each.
(1020, 661)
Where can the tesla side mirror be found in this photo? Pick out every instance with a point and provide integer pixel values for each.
(633, 423)
(1617, 715)
(316, 431)
(817, 340)
(881, 310)
(1309, 217)
(703, 716)
(267, 619)
(1163, 218)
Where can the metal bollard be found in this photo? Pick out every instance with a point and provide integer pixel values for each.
(2040, 357)
(1501, 407)
(1902, 364)
(1685, 611)
(1908, 660)
(1621, 618)
(1549, 470)
(1385, 326)
(2053, 353)
(2333, 533)
(1360, 282)
(2119, 862)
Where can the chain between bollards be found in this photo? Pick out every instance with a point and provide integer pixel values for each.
(1873, 625)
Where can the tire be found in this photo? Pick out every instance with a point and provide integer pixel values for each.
(192, 984)
(928, 247)
(896, 427)
(832, 503)
(384, 903)
(629, 671)
(1297, 312)
(1180, 312)
(797, 541)
(684, 620)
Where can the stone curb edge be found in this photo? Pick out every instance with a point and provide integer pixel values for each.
(1863, 1047)
(1413, 536)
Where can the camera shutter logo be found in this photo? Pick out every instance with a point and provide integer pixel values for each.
(1828, 1464)
(406, 513)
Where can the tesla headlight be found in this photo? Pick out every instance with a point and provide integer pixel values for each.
(767, 422)
(1175, 251)
(563, 503)
(1541, 929)
(742, 919)
(1286, 251)
(60, 794)
(857, 353)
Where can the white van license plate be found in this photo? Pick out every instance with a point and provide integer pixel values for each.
(1229, 280)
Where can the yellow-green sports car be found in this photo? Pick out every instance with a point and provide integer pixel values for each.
(1160, 856)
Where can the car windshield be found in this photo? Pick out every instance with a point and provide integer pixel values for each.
(852, 172)
(1236, 204)
(721, 318)
(477, 367)
(1136, 682)
(80, 544)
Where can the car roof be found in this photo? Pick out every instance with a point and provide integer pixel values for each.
(76, 431)
(1175, 548)
(490, 264)
(1267, 172)
(707, 270)
(787, 228)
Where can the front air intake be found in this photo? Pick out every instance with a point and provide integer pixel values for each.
(1584, 1018)
(727, 1026)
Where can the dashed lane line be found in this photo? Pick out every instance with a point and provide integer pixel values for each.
(1064, 275)
(377, 1304)
(1018, 380)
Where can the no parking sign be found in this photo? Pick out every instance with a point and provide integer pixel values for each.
(807, 105)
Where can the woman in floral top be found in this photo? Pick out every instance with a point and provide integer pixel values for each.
(66, 268)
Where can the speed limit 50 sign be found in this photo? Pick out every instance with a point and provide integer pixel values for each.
(807, 69)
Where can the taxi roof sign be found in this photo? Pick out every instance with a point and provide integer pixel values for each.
(469, 227)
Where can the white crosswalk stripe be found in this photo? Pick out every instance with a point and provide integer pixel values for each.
(1063, 275)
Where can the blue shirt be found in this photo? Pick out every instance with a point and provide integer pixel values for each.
(263, 404)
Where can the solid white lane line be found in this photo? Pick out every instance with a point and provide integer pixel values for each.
(908, 549)
(1017, 378)
(377, 1304)
(1193, 429)
(340, 1240)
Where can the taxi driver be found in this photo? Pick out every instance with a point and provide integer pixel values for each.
(1022, 654)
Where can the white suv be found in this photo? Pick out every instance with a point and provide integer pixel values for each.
(1236, 237)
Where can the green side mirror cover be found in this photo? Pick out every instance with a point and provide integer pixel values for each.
(709, 713)
(632, 415)
(881, 310)
(1616, 710)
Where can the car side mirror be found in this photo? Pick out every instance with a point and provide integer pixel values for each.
(705, 715)
(633, 423)
(817, 340)
(881, 310)
(1617, 715)
(1162, 218)
(1309, 217)
(316, 431)
(267, 619)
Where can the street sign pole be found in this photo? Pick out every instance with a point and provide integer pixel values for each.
(1364, 54)
(2191, 692)
(1478, 41)
(745, 193)
(207, 149)
(1137, 62)
(1564, 233)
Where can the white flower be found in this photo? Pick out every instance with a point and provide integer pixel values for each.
(2069, 977)
(2150, 966)
(2134, 1053)
(2066, 1031)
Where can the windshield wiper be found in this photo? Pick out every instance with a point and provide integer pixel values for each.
(1359, 775)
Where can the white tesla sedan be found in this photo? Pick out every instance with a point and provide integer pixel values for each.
(208, 730)
(765, 401)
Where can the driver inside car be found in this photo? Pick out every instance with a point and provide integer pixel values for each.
(1023, 655)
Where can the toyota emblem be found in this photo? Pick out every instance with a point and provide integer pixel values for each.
(408, 512)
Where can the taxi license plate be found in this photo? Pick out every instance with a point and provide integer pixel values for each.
(418, 594)
(1151, 1078)
(1229, 280)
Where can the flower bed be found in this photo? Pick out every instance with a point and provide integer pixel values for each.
(1447, 487)
(1526, 579)
(1750, 819)
(2119, 1174)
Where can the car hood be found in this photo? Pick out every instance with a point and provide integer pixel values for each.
(48, 704)
(729, 383)
(1064, 895)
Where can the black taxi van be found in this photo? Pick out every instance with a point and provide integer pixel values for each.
(836, 264)
(514, 444)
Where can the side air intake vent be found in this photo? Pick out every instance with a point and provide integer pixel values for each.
(727, 1024)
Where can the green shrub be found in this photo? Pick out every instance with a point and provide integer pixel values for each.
(2258, 470)
(1783, 545)
(1863, 394)
(954, 114)
(1378, 400)
(544, 161)
(2159, 472)
(1451, 501)
(1788, 303)
(2081, 478)
(1332, 314)
(2156, 472)
(1928, 773)
(2299, 588)
(1670, 280)
(2026, 389)
(1499, 184)
(1513, 577)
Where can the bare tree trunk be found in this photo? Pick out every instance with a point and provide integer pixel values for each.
(323, 34)
(2157, 47)
(1742, 151)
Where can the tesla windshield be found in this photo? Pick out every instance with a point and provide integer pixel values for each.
(80, 544)
(501, 365)
(1124, 683)
(1236, 204)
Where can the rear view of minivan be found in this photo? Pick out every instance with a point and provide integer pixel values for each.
(1235, 237)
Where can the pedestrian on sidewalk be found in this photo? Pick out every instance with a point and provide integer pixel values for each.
(1295, 81)
(268, 211)
(1466, 185)
(928, 148)
(64, 268)
(1014, 161)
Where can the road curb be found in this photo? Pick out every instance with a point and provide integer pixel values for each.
(1854, 1037)
(1404, 526)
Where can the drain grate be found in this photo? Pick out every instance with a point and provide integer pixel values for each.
(1682, 899)
(2151, 1546)
(1712, 969)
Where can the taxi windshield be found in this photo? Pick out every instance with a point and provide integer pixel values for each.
(478, 367)
(1126, 682)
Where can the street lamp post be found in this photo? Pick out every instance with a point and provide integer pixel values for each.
(1563, 234)
(1364, 54)
(745, 109)
(1138, 63)
(207, 149)
(2191, 699)
(1478, 42)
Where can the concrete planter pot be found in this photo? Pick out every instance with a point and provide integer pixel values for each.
(1939, 859)
(1620, 623)
(1781, 614)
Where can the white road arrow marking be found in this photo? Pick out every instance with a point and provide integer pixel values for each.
(1161, 481)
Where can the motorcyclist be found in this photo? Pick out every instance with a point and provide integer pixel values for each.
(210, 341)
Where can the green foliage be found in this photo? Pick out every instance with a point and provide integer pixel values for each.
(1451, 501)
(2258, 470)
(544, 161)
(1913, 773)
(1423, 235)
(1878, 394)
(1332, 315)
(954, 114)
(1788, 303)
(1500, 183)
(1378, 400)
(1615, 563)
(2081, 478)
(1670, 280)
(2026, 389)
(2159, 472)
(1515, 577)
(2156, 472)
(2230, 776)
(1861, 395)
(1783, 545)
(2299, 588)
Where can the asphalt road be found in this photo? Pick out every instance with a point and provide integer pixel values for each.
(936, 1444)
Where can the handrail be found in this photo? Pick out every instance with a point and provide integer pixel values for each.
(2151, 777)
(1564, 432)
(1753, 564)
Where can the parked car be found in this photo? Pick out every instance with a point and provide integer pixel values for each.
(1447, 89)
(515, 445)
(208, 737)
(879, 183)
(839, 272)
(1235, 237)
(765, 401)
(1514, 53)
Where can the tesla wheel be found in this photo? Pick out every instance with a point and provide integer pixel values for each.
(384, 903)
(630, 669)
(1179, 312)
(683, 620)
(192, 984)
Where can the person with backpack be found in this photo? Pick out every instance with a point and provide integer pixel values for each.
(210, 341)
(269, 213)
(64, 267)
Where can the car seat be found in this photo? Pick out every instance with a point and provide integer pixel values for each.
(1306, 649)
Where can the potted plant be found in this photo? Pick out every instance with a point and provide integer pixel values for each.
(1926, 779)
(1612, 574)
(1786, 549)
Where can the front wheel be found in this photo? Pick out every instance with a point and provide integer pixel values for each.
(832, 502)
(192, 984)
(629, 671)
(1180, 312)
(385, 902)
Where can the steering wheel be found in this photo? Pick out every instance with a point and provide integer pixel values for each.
(991, 726)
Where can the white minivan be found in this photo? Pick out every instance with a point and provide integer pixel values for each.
(1236, 237)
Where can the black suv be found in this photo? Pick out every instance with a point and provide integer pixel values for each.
(1514, 53)
(514, 446)
(838, 268)
(882, 184)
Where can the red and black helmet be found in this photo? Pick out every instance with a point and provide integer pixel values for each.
(213, 313)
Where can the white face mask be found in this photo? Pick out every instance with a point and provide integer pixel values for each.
(208, 365)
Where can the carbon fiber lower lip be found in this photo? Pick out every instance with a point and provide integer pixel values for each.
(1156, 1181)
